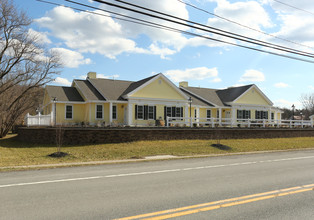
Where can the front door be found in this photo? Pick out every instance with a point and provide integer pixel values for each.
(228, 114)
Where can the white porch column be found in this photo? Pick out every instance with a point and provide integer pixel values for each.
(186, 114)
(53, 113)
(233, 116)
(269, 116)
(110, 113)
(130, 113)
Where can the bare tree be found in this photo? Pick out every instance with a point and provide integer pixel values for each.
(307, 101)
(25, 65)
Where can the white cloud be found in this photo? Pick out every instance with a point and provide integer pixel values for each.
(40, 36)
(199, 73)
(296, 25)
(311, 87)
(216, 80)
(281, 85)
(62, 81)
(252, 76)
(248, 13)
(71, 59)
(111, 37)
(287, 104)
(107, 77)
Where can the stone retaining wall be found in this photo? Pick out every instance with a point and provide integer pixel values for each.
(77, 136)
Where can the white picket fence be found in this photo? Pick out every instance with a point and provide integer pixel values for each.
(214, 122)
(38, 120)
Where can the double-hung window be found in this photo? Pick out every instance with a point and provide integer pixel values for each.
(261, 115)
(208, 114)
(178, 112)
(140, 112)
(114, 112)
(151, 112)
(99, 111)
(145, 112)
(68, 112)
(243, 114)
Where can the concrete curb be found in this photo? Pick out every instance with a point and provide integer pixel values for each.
(148, 158)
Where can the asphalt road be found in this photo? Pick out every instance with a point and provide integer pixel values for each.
(251, 186)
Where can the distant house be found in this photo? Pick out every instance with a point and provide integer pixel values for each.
(141, 103)
(312, 118)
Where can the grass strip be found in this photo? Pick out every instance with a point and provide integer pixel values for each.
(15, 153)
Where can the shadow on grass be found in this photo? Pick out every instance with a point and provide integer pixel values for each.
(11, 141)
(221, 147)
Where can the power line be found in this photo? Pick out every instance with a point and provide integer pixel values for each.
(242, 25)
(224, 33)
(291, 6)
(155, 25)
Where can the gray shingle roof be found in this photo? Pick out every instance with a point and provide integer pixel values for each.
(88, 90)
(111, 89)
(208, 95)
(214, 96)
(231, 94)
(116, 89)
(64, 94)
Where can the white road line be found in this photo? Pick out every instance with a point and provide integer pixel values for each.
(153, 172)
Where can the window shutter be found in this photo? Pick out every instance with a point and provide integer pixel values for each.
(173, 112)
(155, 112)
(135, 111)
(249, 114)
(145, 112)
(165, 113)
(181, 113)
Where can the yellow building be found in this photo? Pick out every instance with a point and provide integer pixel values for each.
(102, 102)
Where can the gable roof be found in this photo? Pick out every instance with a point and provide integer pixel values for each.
(232, 93)
(135, 85)
(196, 100)
(110, 89)
(64, 94)
(142, 83)
(88, 90)
(260, 92)
(215, 97)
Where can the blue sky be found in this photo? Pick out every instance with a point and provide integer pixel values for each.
(126, 51)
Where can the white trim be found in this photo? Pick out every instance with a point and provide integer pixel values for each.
(65, 111)
(102, 114)
(160, 75)
(67, 102)
(188, 91)
(156, 99)
(261, 93)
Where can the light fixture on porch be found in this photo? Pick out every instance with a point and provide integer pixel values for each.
(293, 107)
(190, 101)
(54, 99)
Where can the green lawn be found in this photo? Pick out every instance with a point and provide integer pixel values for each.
(15, 153)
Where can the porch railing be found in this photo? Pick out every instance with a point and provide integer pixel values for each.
(229, 122)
